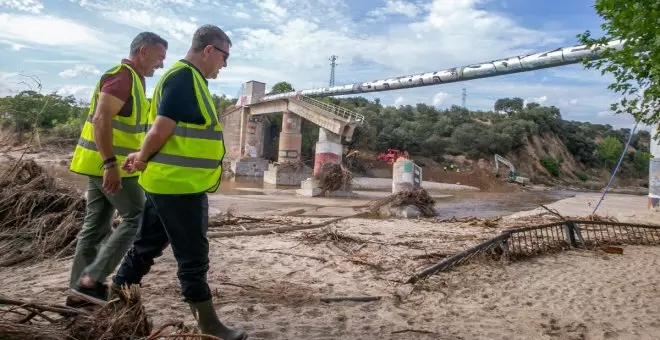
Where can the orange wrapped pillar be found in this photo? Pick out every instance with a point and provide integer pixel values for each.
(328, 150)
(290, 138)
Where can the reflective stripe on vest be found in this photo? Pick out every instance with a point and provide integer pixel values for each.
(119, 150)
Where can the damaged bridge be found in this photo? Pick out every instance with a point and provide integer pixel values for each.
(246, 125)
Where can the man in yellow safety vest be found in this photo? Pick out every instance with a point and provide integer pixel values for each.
(113, 129)
(181, 160)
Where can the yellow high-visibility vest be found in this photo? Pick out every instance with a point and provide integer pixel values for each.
(127, 132)
(190, 161)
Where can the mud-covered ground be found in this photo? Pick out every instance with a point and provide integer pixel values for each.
(272, 285)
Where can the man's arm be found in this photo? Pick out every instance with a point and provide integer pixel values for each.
(156, 137)
(177, 99)
(114, 93)
(107, 107)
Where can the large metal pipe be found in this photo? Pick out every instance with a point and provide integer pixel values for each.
(536, 61)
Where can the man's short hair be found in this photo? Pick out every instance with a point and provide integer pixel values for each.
(207, 35)
(146, 39)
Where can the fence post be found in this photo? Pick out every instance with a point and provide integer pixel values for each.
(504, 246)
(569, 233)
(577, 232)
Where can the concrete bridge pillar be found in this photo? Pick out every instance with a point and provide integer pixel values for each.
(290, 138)
(328, 150)
(254, 144)
(406, 175)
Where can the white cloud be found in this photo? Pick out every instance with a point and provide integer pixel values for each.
(9, 83)
(440, 98)
(242, 15)
(144, 19)
(51, 61)
(48, 31)
(79, 91)
(395, 7)
(539, 100)
(32, 6)
(79, 70)
(271, 8)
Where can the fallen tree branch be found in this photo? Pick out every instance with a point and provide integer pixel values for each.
(350, 298)
(19, 331)
(413, 331)
(318, 258)
(220, 234)
(554, 212)
(236, 285)
(62, 310)
(190, 335)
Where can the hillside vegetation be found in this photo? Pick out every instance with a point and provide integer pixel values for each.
(534, 137)
(541, 144)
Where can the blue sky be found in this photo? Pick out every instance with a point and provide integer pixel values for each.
(68, 43)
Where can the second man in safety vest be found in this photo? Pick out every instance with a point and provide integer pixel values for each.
(113, 129)
(181, 160)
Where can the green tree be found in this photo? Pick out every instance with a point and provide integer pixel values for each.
(281, 87)
(641, 161)
(636, 66)
(222, 102)
(509, 105)
(610, 150)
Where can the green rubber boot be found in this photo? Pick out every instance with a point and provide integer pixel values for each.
(208, 322)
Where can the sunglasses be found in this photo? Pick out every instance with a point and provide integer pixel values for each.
(223, 51)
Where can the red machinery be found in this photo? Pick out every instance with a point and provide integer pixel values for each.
(392, 155)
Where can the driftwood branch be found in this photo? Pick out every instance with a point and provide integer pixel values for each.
(189, 335)
(318, 258)
(413, 331)
(235, 285)
(18, 331)
(349, 298)
(554, 212)
(277, 230)
(62, 310)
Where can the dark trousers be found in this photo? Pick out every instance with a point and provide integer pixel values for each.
(179, 220)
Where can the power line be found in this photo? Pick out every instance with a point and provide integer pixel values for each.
(463, 97)
(332, 69)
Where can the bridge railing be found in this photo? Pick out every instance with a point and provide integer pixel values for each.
(334, 109)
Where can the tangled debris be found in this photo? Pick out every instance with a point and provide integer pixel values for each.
(122, 318)
(38, 217)
(333, 177)
(417, 197)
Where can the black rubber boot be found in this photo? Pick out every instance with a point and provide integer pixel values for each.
(208, 322)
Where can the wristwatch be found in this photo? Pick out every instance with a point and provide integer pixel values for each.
(109, 160)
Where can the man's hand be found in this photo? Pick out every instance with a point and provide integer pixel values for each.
(112, 180)
(132, 163)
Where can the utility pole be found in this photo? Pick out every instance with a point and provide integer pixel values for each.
(332, 69)
(463, 97)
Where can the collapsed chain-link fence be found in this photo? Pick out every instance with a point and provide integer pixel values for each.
(518, 243)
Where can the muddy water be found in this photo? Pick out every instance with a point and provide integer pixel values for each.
(487, 205)
(459, 204)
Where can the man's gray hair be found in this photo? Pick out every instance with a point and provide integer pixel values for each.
(208, 35)
(146, 39)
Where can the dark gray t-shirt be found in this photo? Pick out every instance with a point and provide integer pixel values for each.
(178, 101)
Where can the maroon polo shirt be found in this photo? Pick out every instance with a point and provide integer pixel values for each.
(120, 85)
